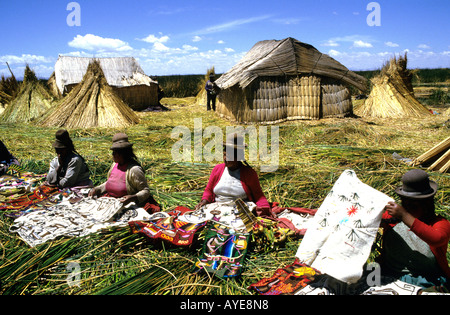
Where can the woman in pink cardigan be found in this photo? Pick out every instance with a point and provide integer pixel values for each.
(234, 179)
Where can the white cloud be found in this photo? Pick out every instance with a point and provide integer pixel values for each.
(196, 38)
(391, 44)
(189, 48)
(220, 42)
(24, 59)
(160, 47)
(229, 50)
(424, 46)
(330, 43)
(96, 43)
(288, 21)
(230, 25)
(334, 53)
(361, 44)
(153, 39)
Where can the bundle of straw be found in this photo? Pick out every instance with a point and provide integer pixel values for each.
(32, 100)
(392, 94)
(92, 103)
(437, 158)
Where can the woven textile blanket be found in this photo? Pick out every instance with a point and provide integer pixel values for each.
(286, 281)
(223, 213)
(224, 251)
(74, 220)
(168, 226)
(340, 237)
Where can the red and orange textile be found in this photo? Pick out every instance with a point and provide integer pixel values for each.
(25, 203)
(169, 228)
(287, 280)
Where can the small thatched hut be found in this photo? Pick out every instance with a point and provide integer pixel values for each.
(392, 94)
(92, 103)
(437, 158)
(280, 80)
(32, 100)
(123, 74)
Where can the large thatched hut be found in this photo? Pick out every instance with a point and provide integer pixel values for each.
(123, 74)
(32, 101)
(92, 103)
(392, 94)
(280, 80)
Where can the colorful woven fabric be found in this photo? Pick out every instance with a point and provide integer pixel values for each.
(25, 203)
(169, 227)
(224, 251)
(286, 281)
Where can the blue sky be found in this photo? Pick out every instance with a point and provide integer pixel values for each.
(188, 37)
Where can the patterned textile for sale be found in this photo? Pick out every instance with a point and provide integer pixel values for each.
(224, 251)
(224, 213)
(340, 237)
(286, 281)
(41, 197)
(78, 219)
(169, 226)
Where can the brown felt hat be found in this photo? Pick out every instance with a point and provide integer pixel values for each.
(120, 141)
(416, 184)
(235, 141)
(62, 140)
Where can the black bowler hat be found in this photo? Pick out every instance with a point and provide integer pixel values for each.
(417, 185)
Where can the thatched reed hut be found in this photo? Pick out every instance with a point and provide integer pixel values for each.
(437, 158)
(123, 74)
(392, 94)
(32, 101)
(279, 80)
(92, 103)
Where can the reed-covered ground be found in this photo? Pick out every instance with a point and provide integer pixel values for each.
(312, 156)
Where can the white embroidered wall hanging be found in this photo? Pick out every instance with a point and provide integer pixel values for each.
(340, 237)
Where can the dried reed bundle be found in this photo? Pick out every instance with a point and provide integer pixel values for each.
(392, 94)
(92, 103)
(437, 158)
(8, 88)
(32, 100)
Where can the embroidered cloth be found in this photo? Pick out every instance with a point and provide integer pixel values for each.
(74, 220)
(224, 251)
(340, 237)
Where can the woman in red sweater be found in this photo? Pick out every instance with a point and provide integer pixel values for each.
(416, 239)
(234, 179)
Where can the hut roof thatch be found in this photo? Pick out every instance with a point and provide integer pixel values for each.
(118, 71)
(31, 102)
(287, 57)
(92, 103)
(392, 94)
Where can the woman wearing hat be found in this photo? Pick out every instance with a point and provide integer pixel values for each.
(68, 169)
(6, 159)
(416, 239)
(126, 177)
(234, 178)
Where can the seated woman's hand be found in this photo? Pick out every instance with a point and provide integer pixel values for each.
(201, 204)
(128, 199)
(93, 193)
